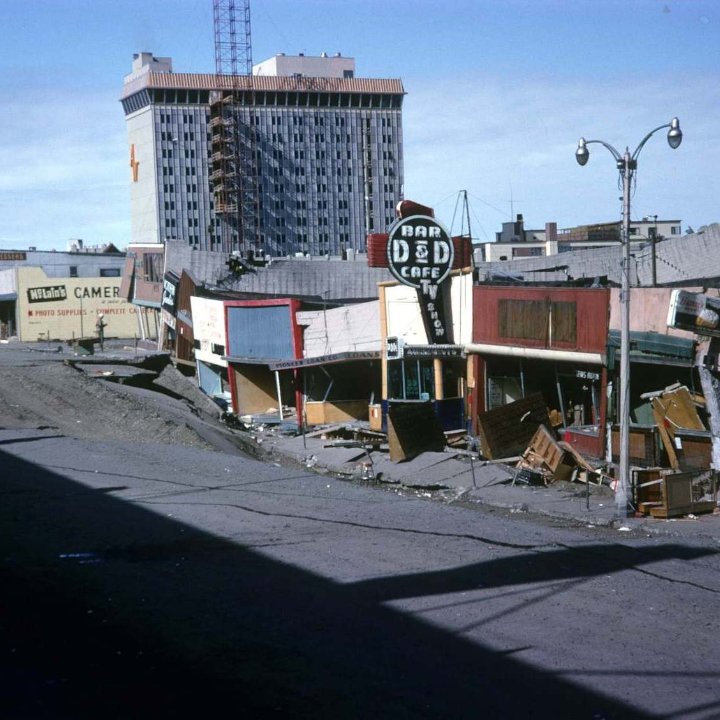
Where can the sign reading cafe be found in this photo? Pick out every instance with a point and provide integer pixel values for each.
(420, 254)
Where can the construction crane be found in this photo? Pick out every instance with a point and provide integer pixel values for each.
(234, 174)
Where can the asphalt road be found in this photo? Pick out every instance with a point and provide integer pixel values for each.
(145, 579)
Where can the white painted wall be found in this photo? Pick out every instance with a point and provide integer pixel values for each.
(308, 66)
(8, 281)
(208, 329)
(350, 328)
(405, 320)
(144, 210)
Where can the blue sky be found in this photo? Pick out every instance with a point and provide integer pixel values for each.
(498, 93)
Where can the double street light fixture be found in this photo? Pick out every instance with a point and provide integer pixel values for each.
(626, 164)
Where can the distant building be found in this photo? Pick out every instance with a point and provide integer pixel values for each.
(329, 151)
(57, 295)
(515, 241)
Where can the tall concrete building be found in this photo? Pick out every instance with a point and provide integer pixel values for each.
(327, 150)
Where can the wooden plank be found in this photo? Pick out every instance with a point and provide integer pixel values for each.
(679, 409)
(646, 507)
(696, 508)
(507, 430)
(667, 440)
(413, 428)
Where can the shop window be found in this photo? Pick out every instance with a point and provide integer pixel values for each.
(411, 380)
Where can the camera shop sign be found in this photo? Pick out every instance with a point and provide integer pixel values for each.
(420, 254)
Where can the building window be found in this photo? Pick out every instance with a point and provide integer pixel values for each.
(537, 320)
(73, 271)
(109, 272)
(152, 267)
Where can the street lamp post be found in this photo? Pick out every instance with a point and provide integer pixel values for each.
(626, 165)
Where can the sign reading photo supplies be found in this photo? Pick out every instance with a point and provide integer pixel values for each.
(420, 254)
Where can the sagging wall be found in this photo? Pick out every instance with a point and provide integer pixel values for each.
(259, 331)
(255, 389)
(210, 340)
(66, 308)
(320, 413)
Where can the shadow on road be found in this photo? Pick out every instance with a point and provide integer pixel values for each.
(111, 611)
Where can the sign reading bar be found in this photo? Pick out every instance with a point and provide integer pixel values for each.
(420, 252)
(420, 255)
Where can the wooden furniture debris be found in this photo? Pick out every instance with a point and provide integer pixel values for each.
(643, 449)
(547, 456)
(676, 409)
(665, 494)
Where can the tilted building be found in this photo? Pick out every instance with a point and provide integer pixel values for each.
(327, 149)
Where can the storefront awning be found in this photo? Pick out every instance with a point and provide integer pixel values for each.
(325, 359)
(536, 353)
(244, 360)
(653, 348)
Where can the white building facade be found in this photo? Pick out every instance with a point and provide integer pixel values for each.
(329, 153)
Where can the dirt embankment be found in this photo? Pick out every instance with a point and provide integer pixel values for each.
(55, 395)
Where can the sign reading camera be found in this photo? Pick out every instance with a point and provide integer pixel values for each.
(420, 254)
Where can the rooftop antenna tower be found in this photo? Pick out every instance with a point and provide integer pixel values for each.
(234, 135)
(232, 56)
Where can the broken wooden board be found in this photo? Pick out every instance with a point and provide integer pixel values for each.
(413, 428)
(697, 508)
(666, 435)
(507, 430)
(678, 408)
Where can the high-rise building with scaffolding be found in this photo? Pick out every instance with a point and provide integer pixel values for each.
(327, 154)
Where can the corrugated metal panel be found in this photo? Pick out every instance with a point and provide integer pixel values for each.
(198, 81)
(260, 332)
(680, 261)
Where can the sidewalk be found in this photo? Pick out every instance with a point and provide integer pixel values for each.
(446, 476)
(454, 478)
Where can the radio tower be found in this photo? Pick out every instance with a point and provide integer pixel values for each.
(234, 143)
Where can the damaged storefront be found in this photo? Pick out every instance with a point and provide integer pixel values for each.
(142, 285)
(544, 346)
(259, 333)
(209, 348)
(339, 373)
(416, 366)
